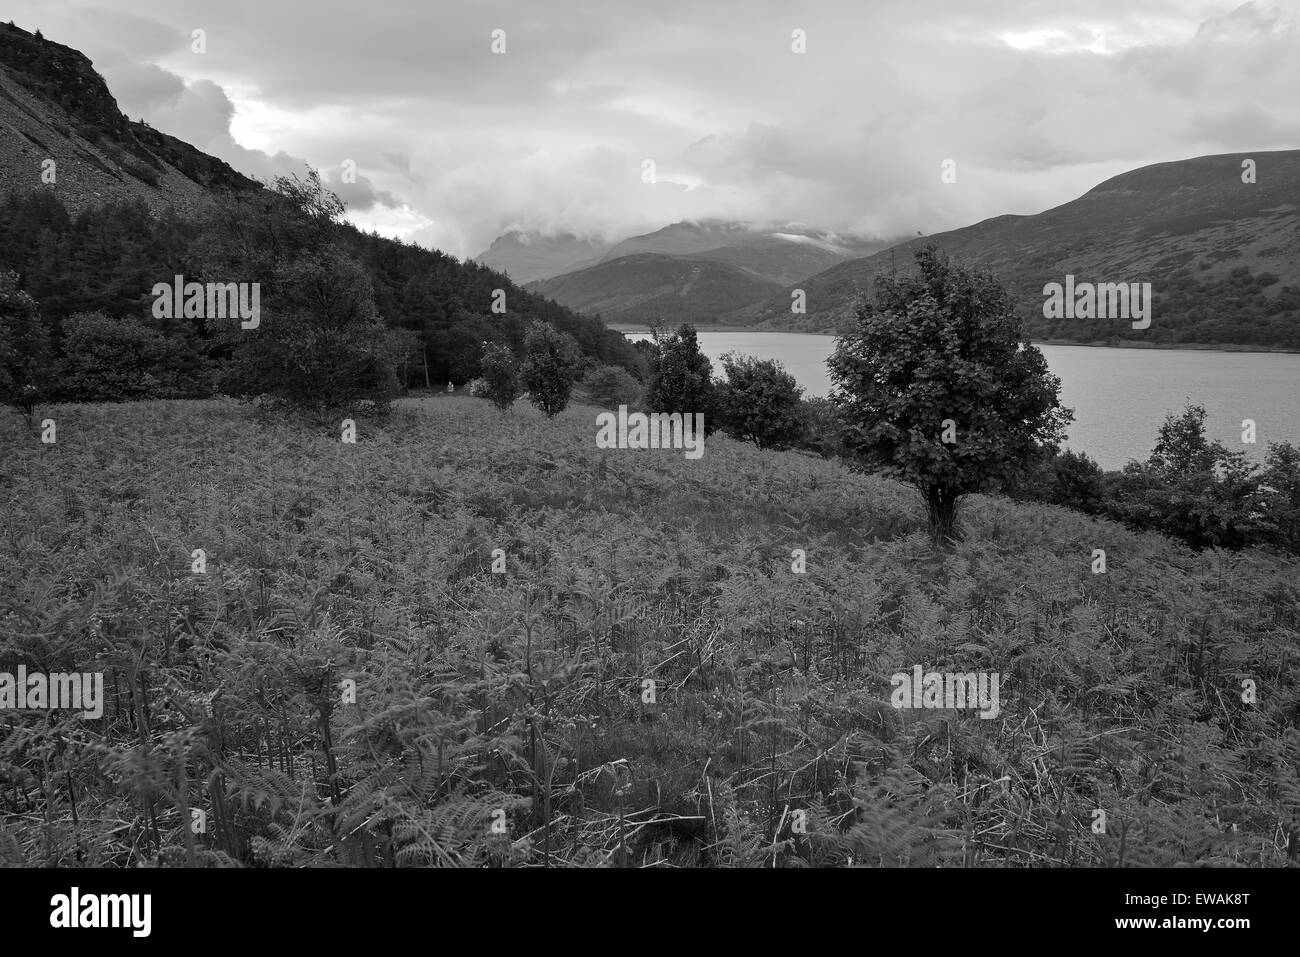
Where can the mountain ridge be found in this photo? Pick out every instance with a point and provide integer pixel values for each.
(1223, 256)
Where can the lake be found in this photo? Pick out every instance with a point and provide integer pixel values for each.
(1119, 396)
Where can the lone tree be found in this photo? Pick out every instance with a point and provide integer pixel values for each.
(552, 364)
(759, 402)
(939, 387)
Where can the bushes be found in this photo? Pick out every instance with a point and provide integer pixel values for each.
(1190, 488)
(820, 427)
(115, 360)
(611, 386)
(1069, 478)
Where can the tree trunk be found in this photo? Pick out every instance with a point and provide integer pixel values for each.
(941, 512)
(425, 350)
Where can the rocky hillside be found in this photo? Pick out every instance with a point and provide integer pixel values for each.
(54, 106)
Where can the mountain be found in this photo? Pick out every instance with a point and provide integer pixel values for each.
(54, 106)
(782, 255)
(1222, 256)
(528, 256)
(688, 271)
(642, 287)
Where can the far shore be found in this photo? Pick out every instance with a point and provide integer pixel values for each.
(644, 330)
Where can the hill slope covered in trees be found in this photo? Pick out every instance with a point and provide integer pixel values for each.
(128, 206)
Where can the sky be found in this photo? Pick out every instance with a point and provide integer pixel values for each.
(1033, 102)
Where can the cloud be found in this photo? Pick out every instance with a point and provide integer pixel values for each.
(359, 194)
(1034, 102)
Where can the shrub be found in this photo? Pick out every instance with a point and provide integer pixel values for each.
(114, 360)
(611, 386)
(820, 427)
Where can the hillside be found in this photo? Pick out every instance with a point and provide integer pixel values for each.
(1223, 256)
(54, 106)
(782, 255)
(648, 286)
(526, 257)
(521, 697)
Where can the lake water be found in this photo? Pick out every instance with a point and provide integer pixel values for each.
(1119, 396)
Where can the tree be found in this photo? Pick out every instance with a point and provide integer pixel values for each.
(24, 348)
(938, 386)
(611, 386)
(681, 377)
(759, 402)
(1182, 447)
(500, 381)
(320, 344)
(551, 366)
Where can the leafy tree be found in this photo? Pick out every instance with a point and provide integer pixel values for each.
(759, 402)
(24, 348)
(941, 355)
(322, 346)
(500, 380)
(681, 377)
(1183, 448)
(611, 386)
(551, 366)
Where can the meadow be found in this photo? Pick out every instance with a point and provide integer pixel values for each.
(647, 683)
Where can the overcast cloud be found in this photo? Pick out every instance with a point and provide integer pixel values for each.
(1036, 102)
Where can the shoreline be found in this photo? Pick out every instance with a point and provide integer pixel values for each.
(641, 329)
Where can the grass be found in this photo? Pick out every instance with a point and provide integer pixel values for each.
(505, 719)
